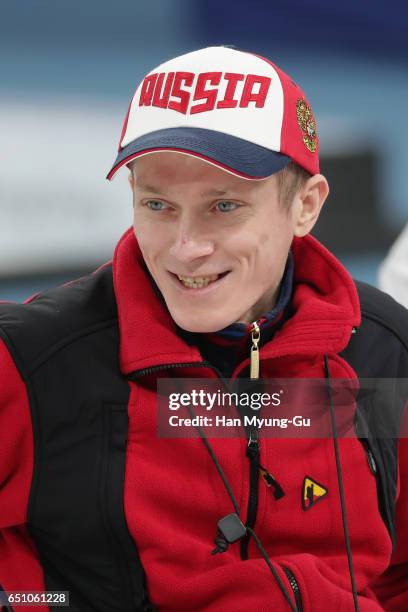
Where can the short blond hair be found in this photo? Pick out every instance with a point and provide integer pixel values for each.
(290, 180)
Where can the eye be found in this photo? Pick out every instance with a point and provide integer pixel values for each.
(155, 205)
(226, 206)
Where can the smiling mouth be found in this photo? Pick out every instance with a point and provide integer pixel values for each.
(199, 282)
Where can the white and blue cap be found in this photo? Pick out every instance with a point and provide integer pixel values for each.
(230, 108)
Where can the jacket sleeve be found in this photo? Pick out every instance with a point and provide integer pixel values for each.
(392, 587)
(20, 569)
(16, 444)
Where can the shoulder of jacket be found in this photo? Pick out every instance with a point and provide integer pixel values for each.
(383, 312)
(58, 316)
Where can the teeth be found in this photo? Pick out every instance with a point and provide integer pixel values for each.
(197, 282)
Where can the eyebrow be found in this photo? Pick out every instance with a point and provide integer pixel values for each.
(209, 192)
(216, 192)
(149, 188)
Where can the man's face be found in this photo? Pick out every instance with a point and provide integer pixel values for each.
(226, 237)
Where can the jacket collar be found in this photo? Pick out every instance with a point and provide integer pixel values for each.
(325, 309)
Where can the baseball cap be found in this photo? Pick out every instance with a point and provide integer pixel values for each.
(231, 108)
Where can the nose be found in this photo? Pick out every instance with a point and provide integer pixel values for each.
(188, 247)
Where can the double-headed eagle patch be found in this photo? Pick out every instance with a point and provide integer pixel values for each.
(307, 124)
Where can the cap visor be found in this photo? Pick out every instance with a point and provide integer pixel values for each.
(230, 153)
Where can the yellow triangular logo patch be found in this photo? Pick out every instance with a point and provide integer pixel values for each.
(312, 492)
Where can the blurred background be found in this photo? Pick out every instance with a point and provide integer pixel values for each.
(69, 69)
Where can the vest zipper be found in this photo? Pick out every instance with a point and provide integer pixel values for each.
(295, 588)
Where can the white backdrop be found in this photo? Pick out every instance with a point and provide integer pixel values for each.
(56, 208)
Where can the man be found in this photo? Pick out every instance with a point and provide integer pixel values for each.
(218, 278)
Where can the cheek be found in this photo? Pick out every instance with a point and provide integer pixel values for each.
(265, 249)
(150, 236)
(264, 239)
(146, 244)
(269, 254)
(155, 247)
(251, 250)
(277, 238)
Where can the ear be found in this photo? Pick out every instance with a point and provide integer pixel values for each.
(310, 200)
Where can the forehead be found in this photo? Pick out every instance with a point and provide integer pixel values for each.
(172, 170)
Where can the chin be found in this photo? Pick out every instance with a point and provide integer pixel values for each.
(200, 327)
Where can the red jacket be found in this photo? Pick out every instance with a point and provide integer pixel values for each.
(173, 495)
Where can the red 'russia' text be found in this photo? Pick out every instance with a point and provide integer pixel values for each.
(175, 90)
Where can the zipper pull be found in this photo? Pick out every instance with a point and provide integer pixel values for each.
(270, 481)
(253, 446)
(256, 336)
